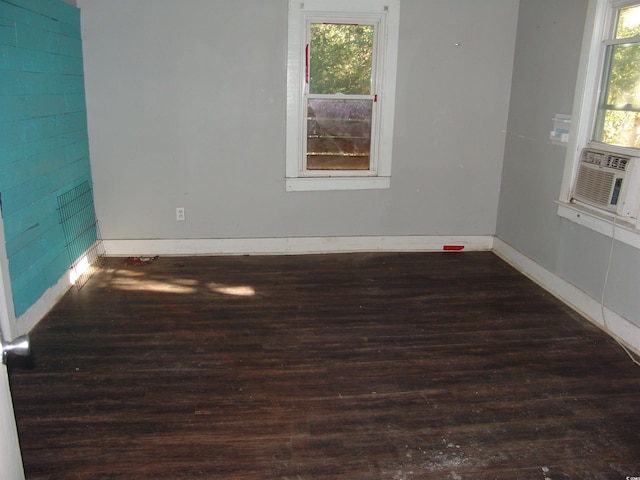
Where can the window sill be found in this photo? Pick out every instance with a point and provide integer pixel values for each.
(309, 184)
(601, 222)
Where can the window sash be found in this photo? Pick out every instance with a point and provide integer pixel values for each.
(384, 14)
(310, 167)
(603, 108)
(339, 134)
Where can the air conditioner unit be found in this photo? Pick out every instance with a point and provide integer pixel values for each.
(610, 181)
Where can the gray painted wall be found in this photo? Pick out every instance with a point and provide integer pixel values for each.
(547, 54)
(186, 107)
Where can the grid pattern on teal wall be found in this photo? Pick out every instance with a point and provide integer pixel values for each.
(44, 147)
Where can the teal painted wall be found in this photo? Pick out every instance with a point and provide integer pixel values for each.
(44, 148)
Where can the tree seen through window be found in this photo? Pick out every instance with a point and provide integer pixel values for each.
(340, 101)
(618, 121)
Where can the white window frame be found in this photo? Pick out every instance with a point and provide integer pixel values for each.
(385, 14)
(598, 28)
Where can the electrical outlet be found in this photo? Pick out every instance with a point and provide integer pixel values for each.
(180, 214)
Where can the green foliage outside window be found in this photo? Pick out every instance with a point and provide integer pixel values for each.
(619, 117)
(340, 59)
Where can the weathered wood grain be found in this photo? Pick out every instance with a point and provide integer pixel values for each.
(355, 366)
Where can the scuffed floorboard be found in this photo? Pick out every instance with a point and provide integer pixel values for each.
(353, 366)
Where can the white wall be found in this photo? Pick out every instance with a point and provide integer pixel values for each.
(10, 458)
(544, 77)
(547, 54)
(186, 107)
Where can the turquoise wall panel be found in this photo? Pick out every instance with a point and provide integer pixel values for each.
(47, 269)
(75, 102)
(35, 61)
(44, 186)
(50, 14)
(44, 40)
(11, 150)
(22, 107)
(39, 83)
(44, 148)
(7, 32)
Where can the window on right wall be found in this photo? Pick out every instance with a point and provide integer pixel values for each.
(602, 171)
(618, 111)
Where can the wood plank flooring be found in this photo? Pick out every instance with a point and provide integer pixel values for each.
(354, 366)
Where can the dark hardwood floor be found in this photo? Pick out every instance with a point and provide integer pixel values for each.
(353, 366)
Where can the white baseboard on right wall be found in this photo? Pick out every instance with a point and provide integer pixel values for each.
(616, 326)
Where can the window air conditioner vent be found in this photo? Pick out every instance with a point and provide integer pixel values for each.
(603, 159)
(609, 181)
(619, 163)
(594, 186)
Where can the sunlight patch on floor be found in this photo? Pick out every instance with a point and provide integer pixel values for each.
(131, 280)
(134, 284)
(238, 290)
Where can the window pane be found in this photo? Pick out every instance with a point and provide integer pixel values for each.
(340, 58)
(338, 134)
(628, 22)
(618, 119)
(621, 128)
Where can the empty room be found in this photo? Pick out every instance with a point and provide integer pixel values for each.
(320, 239)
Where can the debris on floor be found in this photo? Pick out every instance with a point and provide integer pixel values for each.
(140, 261)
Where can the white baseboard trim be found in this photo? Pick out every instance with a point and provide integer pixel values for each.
(258, 246)
(295, 246)
(615, 325)
(36, 312)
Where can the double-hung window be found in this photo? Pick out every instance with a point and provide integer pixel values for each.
(340, 93)
(602, 172)
(618, 110)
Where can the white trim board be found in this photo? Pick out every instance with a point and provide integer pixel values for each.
(618, 327)
(36, 312)
(260, 246)
(295, 245)
(600, 222)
